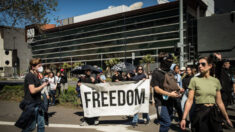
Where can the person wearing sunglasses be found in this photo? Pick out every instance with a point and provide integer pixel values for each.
(140, 76)
(206, 91)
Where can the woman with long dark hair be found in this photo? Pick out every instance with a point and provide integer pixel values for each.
(206, 91)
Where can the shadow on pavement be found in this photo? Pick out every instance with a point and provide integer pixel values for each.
(50, 114)
(79, 113)
(123, 122)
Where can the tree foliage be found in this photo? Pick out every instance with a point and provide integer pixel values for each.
(112, 62)
(77, 64)
(148, 59)
(25, 12)
(66, 66)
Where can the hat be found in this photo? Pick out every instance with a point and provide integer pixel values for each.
(61, 70)
(182, 68)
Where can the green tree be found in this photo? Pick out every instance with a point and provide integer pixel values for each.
(175, 59)
(66, 66)
(148, 59)
(77, 64)
(26, 12)
(110, 63)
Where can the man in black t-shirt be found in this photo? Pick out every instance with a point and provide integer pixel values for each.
(163, 99)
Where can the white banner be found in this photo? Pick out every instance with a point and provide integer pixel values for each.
(119, 98)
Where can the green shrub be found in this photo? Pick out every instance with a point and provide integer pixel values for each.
(70, 97)
(14, 93)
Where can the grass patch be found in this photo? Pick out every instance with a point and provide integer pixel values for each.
(70, 98)
(12, 93)
(16, 93)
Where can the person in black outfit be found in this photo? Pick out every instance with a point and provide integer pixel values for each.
(163, 99)
(32, 105)
(88, 79)
(224, 75)
(117, 77)
(64, 82)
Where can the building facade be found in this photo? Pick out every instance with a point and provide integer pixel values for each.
(137, 32)
(14, 51)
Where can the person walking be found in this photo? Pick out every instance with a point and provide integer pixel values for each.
(206, 91)
(177, 101)
(140, 76)
(163, 99)
(32, 105)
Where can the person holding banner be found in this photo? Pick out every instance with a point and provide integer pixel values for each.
(88, 79)
(140, 76)
(163, 99)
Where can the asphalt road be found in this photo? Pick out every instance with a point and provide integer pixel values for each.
(68, 119)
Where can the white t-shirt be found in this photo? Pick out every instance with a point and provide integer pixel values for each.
(57, 79)
(52, 82)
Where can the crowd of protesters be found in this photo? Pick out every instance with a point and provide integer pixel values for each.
(200, 96)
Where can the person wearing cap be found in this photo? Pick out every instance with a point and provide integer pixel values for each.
(177, 101)
(164, 106)
(182, 72)
(64, 82)
(224, 74)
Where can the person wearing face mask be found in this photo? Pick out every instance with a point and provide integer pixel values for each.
(32, 105)
(205, 89)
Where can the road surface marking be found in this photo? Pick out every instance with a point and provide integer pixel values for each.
(106, 128)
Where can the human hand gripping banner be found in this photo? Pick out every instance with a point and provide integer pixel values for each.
(117, 98)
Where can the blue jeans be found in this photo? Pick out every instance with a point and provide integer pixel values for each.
(165, 117)
(45, 101)
(52, 93)
(39, 120)
(184, 99)
(136, 117)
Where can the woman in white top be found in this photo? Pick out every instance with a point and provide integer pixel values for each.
(53, 85)
(58, 77)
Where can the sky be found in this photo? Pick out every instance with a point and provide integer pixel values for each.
(71, 8)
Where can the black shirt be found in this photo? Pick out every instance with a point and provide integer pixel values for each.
(64, 78)
(119, 78)
(139, 77)
(157, 80)
(86, 79)
(186, 81)
(31, 79)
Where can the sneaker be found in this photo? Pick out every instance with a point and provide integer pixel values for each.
(146, 121)
(84, 124)
(96, 122)
(134, 124)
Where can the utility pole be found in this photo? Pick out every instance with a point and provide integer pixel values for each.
(181, 43)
